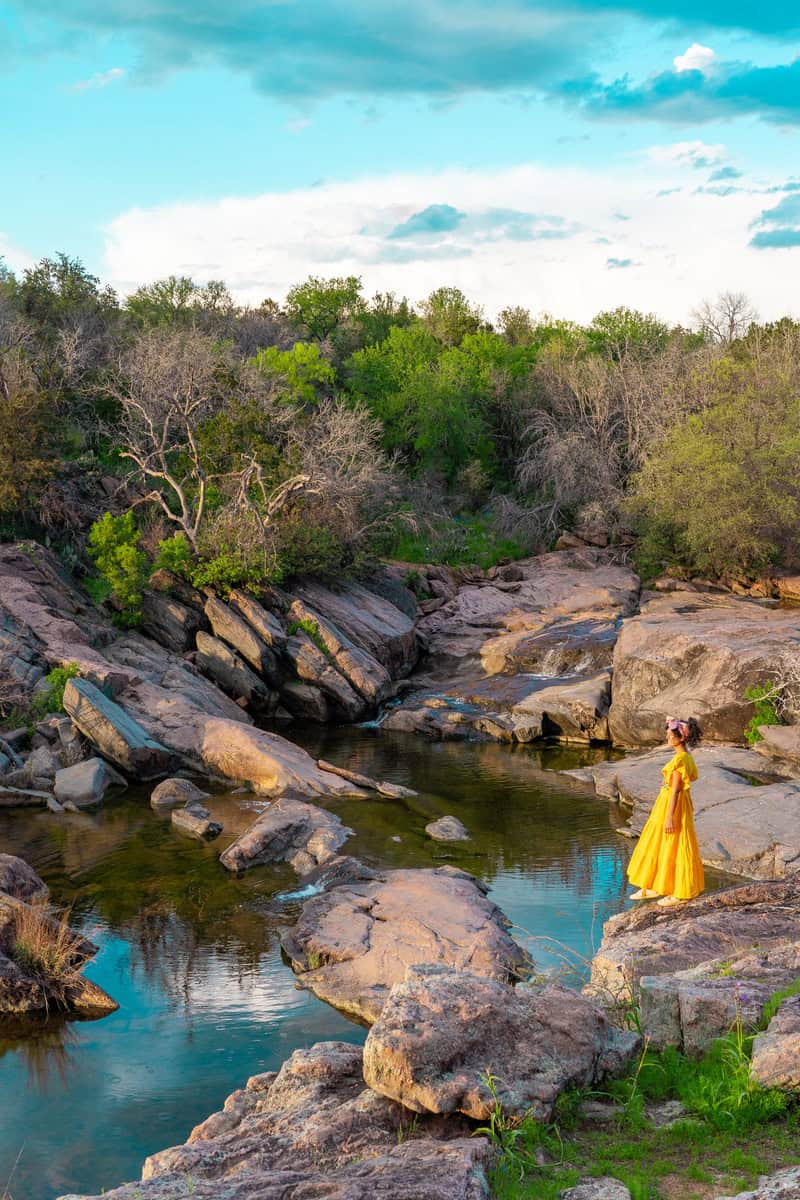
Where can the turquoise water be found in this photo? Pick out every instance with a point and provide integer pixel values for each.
(192, 955)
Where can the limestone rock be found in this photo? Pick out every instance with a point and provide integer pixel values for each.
(351, 945)
(289, 831)
(195, 821)
(230, 627)
(441, 1030)
(169, 622)
(368, 620)
(747, 820)
(116, 735)
(362, 671)
(231, 672)
(314, 667)
(447, 829)
(696, 655)
(315, 1130)
(19, 880)
(174, 793)
(776, 1054)
(86, 783)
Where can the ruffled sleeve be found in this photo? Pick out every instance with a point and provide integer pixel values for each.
(684, 764)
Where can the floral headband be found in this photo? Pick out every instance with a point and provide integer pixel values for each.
(678, 726)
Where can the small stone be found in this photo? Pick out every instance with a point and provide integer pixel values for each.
(447, 829)
(42, 764)
(195, 821)
(84, 784)
(603, 1188)
(174, 793)
(395, 791)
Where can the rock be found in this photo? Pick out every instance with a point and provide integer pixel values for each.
(362, 671)
(315, 1130)
(368, 620)
(174, 793)
(361, 781)
(718, 928)
(86, 783)
(73, 747)
(19, 880)
(747, 820)
(696, 656)
(352, 944)
(782, 741)
(169, 622)
(337, 871)
(775, 1060)
(115, 734)
(447, 829)
(289, 831)
(395, 791)
(15, 797)
(665, 1113)
(783, 1185)
(195, 821)
(568, 541)
(231, 673)
(391, 588)
(305, 701)
(265, 623)
(314, 667)
(233, 629)
(441, 1031)
(604, 1187)
(42, 764)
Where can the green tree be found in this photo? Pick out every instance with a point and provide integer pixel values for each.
(61, 289)
(623, 331)
(301, 374)
(320, 305)
(449, 315)
(170, 301)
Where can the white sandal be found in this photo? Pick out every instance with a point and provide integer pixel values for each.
(644, 894)
(668, 901)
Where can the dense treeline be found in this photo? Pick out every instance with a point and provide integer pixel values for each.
(252, 443)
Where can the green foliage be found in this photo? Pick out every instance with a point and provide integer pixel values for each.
(175, 554)
(624, 331)
(311, 628)
(301, 374)
(449, 315)
(114, 546)
(764, 697)
(52, 700)
(172, 301)
(466, 542)
(230, 570)
(319, 305)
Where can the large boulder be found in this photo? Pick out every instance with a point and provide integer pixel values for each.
(289, 831)
(719, 927)
(747, 819)
(362, 671)
(232, 673)
(442, 1033)
(313, 1130)
(19, 880)
(316, 668)
(353, 944)
(696, 655)
(775, 1060)
(86, 783)
(264, 622)
(230, 627)
(367, 620)
(169, 622)
(116, 734)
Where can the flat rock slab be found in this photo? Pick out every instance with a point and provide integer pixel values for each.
(776, 1053)
(313, 1130)
(447, 829)
(747, 820)
(696, 655)
(315, 668)
(353, 944)
(231, 672)
(115, 733)
(442, 1030)
(722, 926)
(367, 620)
(289, 831)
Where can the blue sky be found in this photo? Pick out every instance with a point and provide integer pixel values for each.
(568, 157)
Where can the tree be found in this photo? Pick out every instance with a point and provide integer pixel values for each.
(169, 301)
(320, 305)
(516, 325)
(301, 375)
(449, 315)
(624, 331)
(727, 318)
(26, 457)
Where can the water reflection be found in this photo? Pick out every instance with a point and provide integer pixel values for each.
(45, 1045)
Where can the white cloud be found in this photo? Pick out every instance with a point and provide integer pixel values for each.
(685, 246)
(12, 256)
(688, 154)
(696, 58)
(100, 80)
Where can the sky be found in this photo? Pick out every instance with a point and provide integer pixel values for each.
(568, 157)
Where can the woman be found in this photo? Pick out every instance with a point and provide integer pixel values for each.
(666, 861)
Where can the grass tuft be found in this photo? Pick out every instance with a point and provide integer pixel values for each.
(46, 947)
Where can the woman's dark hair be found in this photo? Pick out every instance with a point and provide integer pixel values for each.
(695, 733)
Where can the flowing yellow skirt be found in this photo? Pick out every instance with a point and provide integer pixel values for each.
(668, 863)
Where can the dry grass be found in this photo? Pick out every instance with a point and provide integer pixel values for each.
(46, 947)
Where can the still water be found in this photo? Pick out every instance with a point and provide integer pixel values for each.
(192, 955)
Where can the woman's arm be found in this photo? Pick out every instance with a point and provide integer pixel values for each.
(676, 787)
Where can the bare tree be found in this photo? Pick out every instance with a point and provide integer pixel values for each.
(727, 318)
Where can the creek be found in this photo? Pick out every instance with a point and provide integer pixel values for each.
(192, 954)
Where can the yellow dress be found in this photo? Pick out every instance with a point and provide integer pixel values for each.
(669, 863)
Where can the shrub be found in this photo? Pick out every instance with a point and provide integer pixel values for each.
(114, 546)
(52, 700)
(765, 701)
(175, 554)
(310, 627)
(46, 947)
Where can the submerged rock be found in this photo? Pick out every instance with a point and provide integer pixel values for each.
(442, 1032)
(195, 821)
(172, 793)
(314, 1130)
(447, 829)
(289, 831)
(351, 945)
